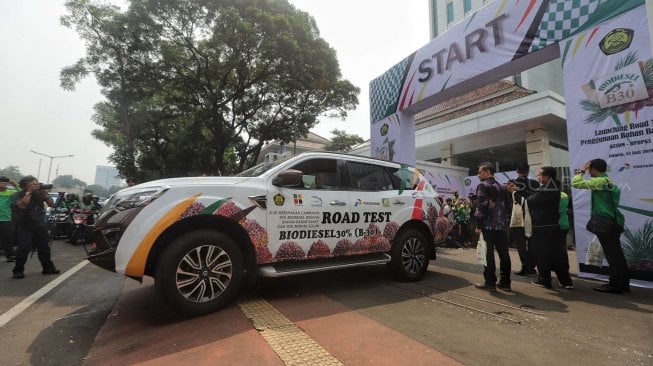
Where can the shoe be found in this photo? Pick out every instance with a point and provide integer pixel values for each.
(568, 287)
(608, 288)
(482, 286)
(11, 259)
(51, 271)
(504, 287)
(525, 272)
(18, 274)
(539, 283)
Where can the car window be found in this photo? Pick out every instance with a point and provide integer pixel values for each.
(319, 173)
(405, 175)
(369, 177)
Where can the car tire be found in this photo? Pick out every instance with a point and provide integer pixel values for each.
(199, 273)
(409, 258)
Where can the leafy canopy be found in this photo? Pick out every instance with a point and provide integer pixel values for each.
(199, 86)
(342, 141)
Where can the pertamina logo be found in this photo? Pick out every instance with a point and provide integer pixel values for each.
(616, 41)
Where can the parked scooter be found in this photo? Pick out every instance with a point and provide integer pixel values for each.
(82, 228)
(59, 223)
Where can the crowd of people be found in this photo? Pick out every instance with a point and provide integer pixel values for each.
(23, 227)
(539, 224)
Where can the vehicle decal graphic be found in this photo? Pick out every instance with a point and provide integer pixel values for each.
(417, 209)
(136, 265)
(212, 208)
(258, 235)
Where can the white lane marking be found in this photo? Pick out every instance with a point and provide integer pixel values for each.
(21, 306)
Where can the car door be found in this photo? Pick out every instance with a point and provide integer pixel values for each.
(308, 220)
(374, 202)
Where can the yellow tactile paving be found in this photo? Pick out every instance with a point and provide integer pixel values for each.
(293, 346)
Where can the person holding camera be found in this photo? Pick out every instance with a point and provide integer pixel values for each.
(28, 214)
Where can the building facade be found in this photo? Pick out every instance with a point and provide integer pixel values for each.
(521, 119)
(107, 176)
(515, 120)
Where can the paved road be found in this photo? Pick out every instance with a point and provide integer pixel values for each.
(363, 317)
(358, 317)
(59, 327)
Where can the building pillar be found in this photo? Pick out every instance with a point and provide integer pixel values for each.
(538, 151)
(446, 155)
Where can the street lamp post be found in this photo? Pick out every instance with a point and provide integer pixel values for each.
(51, 159)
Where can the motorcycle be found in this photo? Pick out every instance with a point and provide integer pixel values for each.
(59, 223)
(82, 228)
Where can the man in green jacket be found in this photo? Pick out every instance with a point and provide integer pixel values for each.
(6, 226)
(605, 200)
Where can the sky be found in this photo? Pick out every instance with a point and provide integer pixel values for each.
(38, 116)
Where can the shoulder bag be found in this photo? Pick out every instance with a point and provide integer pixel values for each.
(599, 223)
(517, 216)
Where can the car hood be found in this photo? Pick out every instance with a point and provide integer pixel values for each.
(194, 181)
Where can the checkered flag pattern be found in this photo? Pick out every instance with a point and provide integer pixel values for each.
(561, 19)
(384, 91)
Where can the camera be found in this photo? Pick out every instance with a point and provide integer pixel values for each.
(45, 186)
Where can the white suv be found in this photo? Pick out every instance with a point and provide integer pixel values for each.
(199, 237)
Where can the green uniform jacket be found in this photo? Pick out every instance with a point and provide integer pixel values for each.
(5, 204)
(605, 195)
(564, 218)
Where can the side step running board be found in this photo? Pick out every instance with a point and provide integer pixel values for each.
(299, 267)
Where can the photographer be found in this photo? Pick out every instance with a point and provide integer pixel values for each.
(28, 213)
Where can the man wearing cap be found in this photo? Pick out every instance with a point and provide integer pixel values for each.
(6, 226)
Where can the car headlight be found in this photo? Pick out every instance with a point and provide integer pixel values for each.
(127, 199)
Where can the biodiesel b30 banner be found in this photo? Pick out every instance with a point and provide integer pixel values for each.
(608, 80)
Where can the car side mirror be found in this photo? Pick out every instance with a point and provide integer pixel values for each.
(288, 178)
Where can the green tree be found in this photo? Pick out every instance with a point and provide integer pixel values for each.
(342, 141)
(68, 181)
(191, 83)
(12, 173)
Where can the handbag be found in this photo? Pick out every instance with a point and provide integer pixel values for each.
(599, 223)
(517, 216)
(481, 251)
(528, 224)
(595, 254)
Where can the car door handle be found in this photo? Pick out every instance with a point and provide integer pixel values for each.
(397, 202)
(337, 203)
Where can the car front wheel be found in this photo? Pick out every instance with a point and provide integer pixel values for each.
(199, 273)
(409, 259)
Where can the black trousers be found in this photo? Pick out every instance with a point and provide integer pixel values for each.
(33, 236)
(614, 254)
(548, 247)
(496, 239)
(524, 248)
(7, 234)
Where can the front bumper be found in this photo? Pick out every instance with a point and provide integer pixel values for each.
(108, 230)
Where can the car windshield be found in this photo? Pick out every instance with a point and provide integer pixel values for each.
(259, 169)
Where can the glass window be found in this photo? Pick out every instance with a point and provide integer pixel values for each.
(449, 12)
(407, 176)
(467, 5)
(369, 177)
(319, 173)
